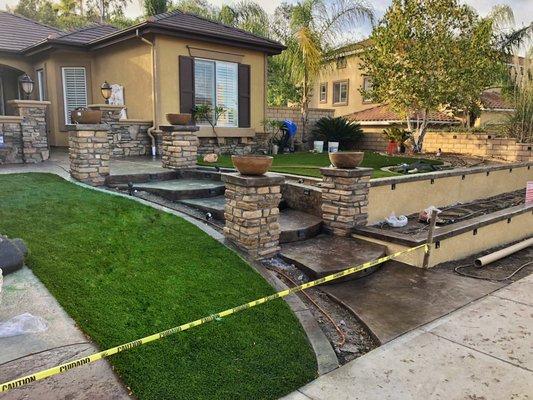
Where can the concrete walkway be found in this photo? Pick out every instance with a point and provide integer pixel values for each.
(482, 351)
(62, 342)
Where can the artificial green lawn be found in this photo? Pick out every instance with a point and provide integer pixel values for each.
(309, 164)
(123, 270)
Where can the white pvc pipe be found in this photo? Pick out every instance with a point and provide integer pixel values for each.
(497, 255)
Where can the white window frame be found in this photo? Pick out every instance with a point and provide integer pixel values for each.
(367, 81)
(323, 95)
(65, 107)
(215, 62)
(341, 101)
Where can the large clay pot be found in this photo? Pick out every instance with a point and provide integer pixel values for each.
(346, 159)
(252, 165)
(84, 116)
(179, 119)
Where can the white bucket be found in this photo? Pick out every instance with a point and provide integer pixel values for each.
(318, 145)
(333, 147)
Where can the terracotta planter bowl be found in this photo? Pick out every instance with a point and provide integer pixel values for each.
(86, 116)
(179, 119)
(346, 159)
(252, 165)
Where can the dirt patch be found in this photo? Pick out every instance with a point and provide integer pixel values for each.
(497, 270)
(460, 160)
(355, 339)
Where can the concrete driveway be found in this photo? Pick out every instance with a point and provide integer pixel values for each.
(482, 351)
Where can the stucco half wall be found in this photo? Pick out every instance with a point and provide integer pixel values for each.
(411, 194)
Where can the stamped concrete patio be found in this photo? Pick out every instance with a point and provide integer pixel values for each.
(481, 351)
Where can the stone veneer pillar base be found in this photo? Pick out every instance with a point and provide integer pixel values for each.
(252, 213)
(89, 153)
(180, 146)
(33, 129)
(344, 199)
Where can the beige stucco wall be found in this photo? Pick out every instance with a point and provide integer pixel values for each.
(413, 196)
(466, 244)
(488, 117)
(128, 64)
(52, 65)
(352, 73)
(168, 50)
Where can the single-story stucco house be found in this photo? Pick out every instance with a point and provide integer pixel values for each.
(165, 64)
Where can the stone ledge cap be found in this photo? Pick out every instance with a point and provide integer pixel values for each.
(268, 179)
(179, 128)
(88, 127)
(28, 103)
(346, 173)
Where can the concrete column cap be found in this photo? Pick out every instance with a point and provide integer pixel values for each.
(346, 173)
(113, 107)
(268, 179)
(28, 103)
(179, 128)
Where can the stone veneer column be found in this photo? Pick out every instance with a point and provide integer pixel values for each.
(33, 128)
(89, 153)
(344, 199)
(252, 213)
(180, 146)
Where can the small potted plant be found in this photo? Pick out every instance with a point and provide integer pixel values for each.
(272, 128)
(397, 138)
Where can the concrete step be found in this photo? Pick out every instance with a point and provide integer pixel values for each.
(214, 205)
(178, 189)
(325, 255)
(297, 226)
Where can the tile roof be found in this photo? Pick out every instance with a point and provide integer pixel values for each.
(195, 24)
(38, 37)
(383, 113)
(494, 101)
(88, 34)
(17, 32)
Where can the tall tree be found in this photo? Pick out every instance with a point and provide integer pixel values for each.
(310, 29)
(430, 54)
(154, 7)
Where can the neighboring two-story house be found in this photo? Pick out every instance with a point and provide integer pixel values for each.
(341, 81)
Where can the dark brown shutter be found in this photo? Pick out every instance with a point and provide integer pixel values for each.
(244, 96)
(186, 84)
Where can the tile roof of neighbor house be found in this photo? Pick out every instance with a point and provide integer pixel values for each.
(383, 113)
(494, 101)
(17, 32)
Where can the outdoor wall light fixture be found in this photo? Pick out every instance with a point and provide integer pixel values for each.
(106, 91)
(26, 84)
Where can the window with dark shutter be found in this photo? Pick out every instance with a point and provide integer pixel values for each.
(186, 67)
(244, 96)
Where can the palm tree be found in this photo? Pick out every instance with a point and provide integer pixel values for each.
(310, 29)
(509, 38)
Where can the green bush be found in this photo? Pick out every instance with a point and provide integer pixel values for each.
(338, 129)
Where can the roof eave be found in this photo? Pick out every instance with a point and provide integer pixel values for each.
(156, 28)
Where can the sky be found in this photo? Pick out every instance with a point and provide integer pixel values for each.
(523, 9)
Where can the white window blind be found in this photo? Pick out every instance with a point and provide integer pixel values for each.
(227, 93)
(74, 89)
(216, 85)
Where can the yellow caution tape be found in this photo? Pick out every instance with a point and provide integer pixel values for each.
(16, 383)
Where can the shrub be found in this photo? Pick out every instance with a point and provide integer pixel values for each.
(338, 129)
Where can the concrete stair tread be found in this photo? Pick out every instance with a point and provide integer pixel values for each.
(178, 189)
(324, 255)
(297, 225)
(214, 205)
